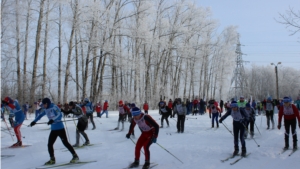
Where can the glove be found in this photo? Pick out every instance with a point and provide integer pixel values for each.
(242, 121)
(153, 140)
(32, 123)
(4, 102)
(220, 121)
(11, 115)
(127, 136)
(50, 122)
(279, 126)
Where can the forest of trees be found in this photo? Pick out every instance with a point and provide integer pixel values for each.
(123, 49)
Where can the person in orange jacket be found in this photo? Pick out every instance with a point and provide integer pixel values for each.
(290, 113)
(105, 107)
(146, 107)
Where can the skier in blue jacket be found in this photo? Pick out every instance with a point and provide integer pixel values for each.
(57, 129)
(15, 111)
(89, 108)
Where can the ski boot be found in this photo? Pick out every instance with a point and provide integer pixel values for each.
(244, 152)
(51, 161)
(146, 165)
(86, 143)
(236, 151)
(17, 144)
(94, 128)
(135, 164)
(295, 147)
(74, 159)
(75, 145)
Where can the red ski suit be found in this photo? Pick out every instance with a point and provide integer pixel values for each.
(149, 129)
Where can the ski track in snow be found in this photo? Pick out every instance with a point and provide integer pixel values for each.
(198, 147)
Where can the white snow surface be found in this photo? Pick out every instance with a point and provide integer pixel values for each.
(199, 146)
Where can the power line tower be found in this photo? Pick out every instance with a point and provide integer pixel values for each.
(238, 81)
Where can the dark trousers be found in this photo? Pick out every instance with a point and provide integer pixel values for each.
(81, 126)
(164, 116)
(52, 138)
(214, 117)
(287, 125)
(180, 123)
(90, 116)
(270, 114)
(238, 128)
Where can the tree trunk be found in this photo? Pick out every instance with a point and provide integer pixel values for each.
(59, 54)
(25, 89)
(69, 54)
(45, 54)
(19, 79)
(36, 52)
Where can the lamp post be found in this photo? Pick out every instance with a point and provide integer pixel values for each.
(276, 72)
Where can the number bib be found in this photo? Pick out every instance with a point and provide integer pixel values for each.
(142, 124)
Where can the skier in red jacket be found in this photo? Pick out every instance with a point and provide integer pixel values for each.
(149, 129)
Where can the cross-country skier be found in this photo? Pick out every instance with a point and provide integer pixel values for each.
(239, 118)
(123, 109)
(251, 114)
(149, 129)
(180, 110)
(15, 111)
(81, 124)
(215, 111)
(290, 113)
(270, 112)
(89, 111)
(57, 129)
(165, 112)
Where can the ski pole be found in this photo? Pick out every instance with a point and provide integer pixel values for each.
(257, 128)
(67, 129)
(47, 122)
(169, 152)
(135, 144)
(252, 137)
(8, 128)
(227, 129)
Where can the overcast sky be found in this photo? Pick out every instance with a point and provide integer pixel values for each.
(265, 40)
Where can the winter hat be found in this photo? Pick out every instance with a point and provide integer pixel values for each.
(242, 97)
(286, 99)
(248, 105)
(269, 98)
(135, 111)
(86, 100)
(7, 100)
(132, 105)
(121, 102)
(233, 104)
(46, 100)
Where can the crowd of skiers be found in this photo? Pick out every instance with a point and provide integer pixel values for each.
(243, 113)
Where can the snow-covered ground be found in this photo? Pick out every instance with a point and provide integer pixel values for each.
(198, 147)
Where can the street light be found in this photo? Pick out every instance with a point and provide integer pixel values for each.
(276, 72)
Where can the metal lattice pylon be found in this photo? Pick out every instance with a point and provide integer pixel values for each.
(238, 81)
